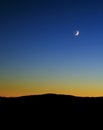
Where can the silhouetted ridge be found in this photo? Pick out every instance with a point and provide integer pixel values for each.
(53, 99)
(54, 107)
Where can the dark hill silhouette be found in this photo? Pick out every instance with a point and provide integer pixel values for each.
(46, 107)
(69, 102)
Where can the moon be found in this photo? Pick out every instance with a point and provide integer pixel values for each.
(77, 33)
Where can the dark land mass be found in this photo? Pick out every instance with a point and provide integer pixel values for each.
(52, 108)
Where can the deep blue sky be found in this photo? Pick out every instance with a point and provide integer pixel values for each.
(37, 43)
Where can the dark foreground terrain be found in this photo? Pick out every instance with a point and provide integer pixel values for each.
(51, 108)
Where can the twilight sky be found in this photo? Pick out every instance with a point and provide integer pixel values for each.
(39, 52)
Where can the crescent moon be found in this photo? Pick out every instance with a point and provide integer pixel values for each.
(77, 33)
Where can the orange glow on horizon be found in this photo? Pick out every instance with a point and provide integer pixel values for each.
(74, 92)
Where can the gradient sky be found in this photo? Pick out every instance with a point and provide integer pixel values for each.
(39, 52)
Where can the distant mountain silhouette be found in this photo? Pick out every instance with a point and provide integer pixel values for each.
(55, 107)
(67, 102)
